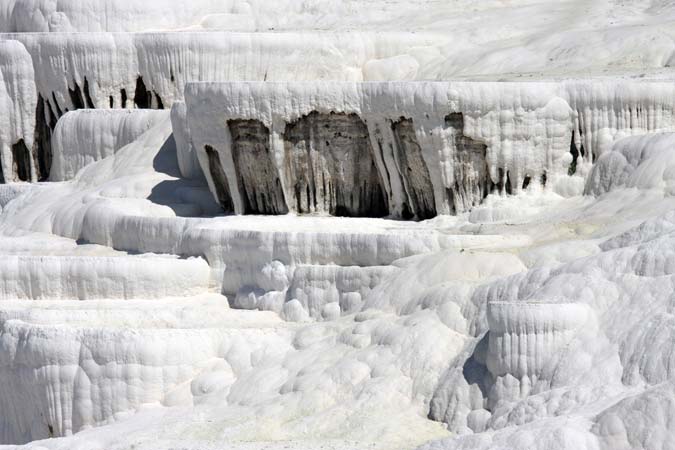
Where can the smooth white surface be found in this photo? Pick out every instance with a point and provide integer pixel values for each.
(84, 136)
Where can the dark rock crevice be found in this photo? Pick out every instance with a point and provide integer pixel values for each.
(80, 98)
(45, 122)
(219, 179)
(22, 157)
(503, 185)
(123, 98)
(575, 155)
(330, 166)
(257, 177)
(76, 98)
(144, 98)
(421, 200)
(158, 102)
(87, 95)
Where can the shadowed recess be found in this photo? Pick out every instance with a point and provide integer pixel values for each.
(21, 156)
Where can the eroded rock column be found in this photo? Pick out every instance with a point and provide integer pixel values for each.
(257, 176)
(219, 179)
(413, 171)
(469, 166)
(330, 167)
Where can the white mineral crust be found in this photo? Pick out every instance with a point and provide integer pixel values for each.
(353, 224)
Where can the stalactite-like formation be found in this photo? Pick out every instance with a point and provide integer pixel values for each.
(330, 166)
(470, 167)
(526, 343)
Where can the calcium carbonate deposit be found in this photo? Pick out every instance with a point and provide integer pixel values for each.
(337, 224)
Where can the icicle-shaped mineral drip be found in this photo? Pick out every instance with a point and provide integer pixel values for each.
(527, 342)
(611, 110)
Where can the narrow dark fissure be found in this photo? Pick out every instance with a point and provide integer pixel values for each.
(142, 97)
(257, 177)
(76, 98)
(43, 138)
(414, 171)
(219, 179)
(123, 97)
(87, 95)
(158, 101)
(575, 156)
(330, 164)
(22, 157)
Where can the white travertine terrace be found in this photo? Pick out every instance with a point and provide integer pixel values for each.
(95, 277)
(337, 224)
(149, 70)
